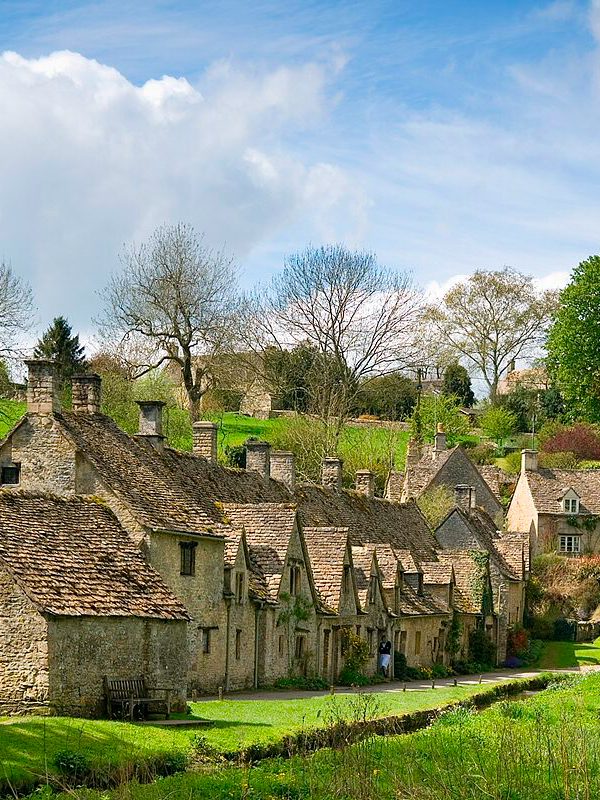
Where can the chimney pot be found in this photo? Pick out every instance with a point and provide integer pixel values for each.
(365, 482)
(205, 440)
(331, 473)
(258, 458)
(462, 496)
(283, 468)
(86, 392)
(151, 422)
(42, 387)
(529, 461)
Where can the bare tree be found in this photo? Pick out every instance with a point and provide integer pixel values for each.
(16, 310)
(358, 315)
(492, 318)
(172, 304)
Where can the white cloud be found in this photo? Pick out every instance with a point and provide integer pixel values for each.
(89, 160)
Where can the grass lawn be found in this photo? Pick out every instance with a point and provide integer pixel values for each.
(545, 747)
(570, 654)
(10, 412)
(28, 744)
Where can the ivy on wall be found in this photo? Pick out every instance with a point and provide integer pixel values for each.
(587, 523)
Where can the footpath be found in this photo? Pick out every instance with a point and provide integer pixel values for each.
(396, 686)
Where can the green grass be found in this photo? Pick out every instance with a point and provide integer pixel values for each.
(570, 654)
(11, 412)
(545, 747)
(29, 744)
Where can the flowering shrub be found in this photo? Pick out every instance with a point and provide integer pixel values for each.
(581, 439)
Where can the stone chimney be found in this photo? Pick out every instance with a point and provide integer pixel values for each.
(258, 458)
(42, 387)
(331, 473)
(462, 497)
(440, 439)
(205, 440)
(394, 486)
(283, 468)
(151, 422)
(365, 482)
(529, 461)
(86, 390)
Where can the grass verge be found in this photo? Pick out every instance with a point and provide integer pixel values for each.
(563, 655)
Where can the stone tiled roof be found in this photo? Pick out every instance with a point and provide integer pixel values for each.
(421, 472)
(495, 478)
(413, 604)
(369, 519)
(488, 538)
(514, 548)
(548, 486)
(72, 558)
(268, 529)
(408, 562)
(387, 561)
(326, 550)
(437, 572)
(470, 579)
(362, 558)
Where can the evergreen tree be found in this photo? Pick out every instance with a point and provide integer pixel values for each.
(59, 344)
(458, 384)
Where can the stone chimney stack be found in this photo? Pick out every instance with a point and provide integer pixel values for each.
(151, 422)
(86, 393)
(258, 458)
(331, 473)
(205, 440)
(394, 486)
(365, 482)
(283, 468)
(529, 461)
(440, 439)
(462, 497)
(42, 387)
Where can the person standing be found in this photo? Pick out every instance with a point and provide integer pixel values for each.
(385, 656)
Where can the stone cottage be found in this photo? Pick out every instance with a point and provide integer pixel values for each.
(558, 508)
(78, 602)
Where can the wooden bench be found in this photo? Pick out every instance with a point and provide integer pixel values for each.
(130, 698)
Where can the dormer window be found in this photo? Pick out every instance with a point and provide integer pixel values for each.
(10, 474)
(571, 503)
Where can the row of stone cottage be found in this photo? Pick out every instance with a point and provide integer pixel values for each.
(120, 556)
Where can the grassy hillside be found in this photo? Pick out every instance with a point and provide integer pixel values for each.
(10, 413)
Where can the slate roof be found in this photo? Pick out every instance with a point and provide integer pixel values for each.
(414, 604)
(72, 558)
(437, 572)
(362, 558)
(548, 486)
(408, 562)
(268, 528)
(514, 547)
(387, 561)
(326, 551)
(468, 572)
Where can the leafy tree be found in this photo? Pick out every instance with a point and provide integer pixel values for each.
(574, 344)
(492, 318)
(60, 345)
(581, 439)
(435, 504)
(390, 396)
(498, 423)
(292, 374)
(458, 383)
(442, 409)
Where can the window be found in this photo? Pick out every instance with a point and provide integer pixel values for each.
(188, 558)
(295, 581)
(11, 474)
(326, 639)
(569, 544)
(435, 644)
(402, 646)
(570, 505)
(238, 645)
(206, 637)
(239, 587)
(281, 645)
(370, 639)
(417, 642)
(299, 650)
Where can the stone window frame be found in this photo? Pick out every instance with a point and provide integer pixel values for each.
(15, 468)
(571, 505)
(206, 633)
(281, 644)
(295, 580)
(569, 543)
(238, 644)
(326, 646)
(417, 643)
(300, 646)
(187, 555)
(240, 586)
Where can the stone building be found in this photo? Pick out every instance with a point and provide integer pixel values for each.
(429, 466)
(78, 602)
(269, 571)
(557, 508)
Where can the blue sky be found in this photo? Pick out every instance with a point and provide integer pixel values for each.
(443, 136)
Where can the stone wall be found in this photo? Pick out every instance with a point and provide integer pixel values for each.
(242, 622)
(430, 631)
(522, 515)
(82, 650)
(23, 651)
(46, 457)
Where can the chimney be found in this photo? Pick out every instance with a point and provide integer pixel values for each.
(42, 387)
(283, 468)
(257, 458)
(529, 461)
(462, 497)
(440, 439)
(151, 419)
(365, 482)
(394, 486)
(205, 440)
(86, 390)
(331, 473)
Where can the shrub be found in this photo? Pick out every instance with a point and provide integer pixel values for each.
(565, 630)
(559, 460)
(542, 628)
(349, 676)
(303, 682)
(71, 763)
(221, 400)
(517, 641)
(581, 439)
(435, 504)
(235, 456)
(498, 423)
(400, 665)
(440, 671)
(512, 462)
(483, 453)
(481, 647)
